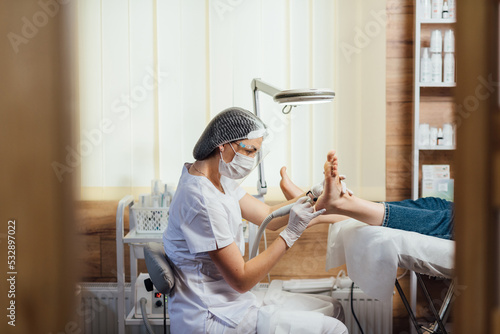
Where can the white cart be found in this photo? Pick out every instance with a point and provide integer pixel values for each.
(136, 243)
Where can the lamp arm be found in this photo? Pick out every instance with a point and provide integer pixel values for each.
(257, 85)
(270, 90)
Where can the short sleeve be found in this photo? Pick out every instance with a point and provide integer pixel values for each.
(208, 230)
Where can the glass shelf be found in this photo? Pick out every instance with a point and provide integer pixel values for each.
(437, 21)
(437, 84)
(436, 148)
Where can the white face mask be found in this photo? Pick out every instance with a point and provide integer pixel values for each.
(238, 168)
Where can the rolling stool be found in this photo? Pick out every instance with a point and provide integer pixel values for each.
(160, 272)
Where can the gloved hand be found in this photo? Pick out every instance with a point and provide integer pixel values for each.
(300, 216)
(317, 189)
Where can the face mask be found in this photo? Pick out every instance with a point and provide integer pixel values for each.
(238, 168)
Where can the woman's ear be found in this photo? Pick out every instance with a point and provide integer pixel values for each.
(221, 148)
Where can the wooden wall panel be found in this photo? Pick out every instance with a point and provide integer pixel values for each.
(96, 226)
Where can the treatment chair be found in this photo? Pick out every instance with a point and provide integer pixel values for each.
(160, 271)
(374, 253)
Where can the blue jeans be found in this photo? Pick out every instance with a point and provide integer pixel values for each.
(430, 216)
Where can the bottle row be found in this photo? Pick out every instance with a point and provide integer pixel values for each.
(156, 199)
(434, 69)
(434, 66)
(433, 136)
(437, 9)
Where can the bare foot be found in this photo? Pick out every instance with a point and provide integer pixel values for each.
(289, 189)
(333, 188)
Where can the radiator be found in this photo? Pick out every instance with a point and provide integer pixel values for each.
(98, 310)
(374, 316)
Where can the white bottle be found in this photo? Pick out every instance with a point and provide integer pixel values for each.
(449, 68)
(423, 134)
(426, 9)
(447, 134)
(440, 137)
(437, 67)
(436, 41)
(449, 41)
(425, 66)
(445, 14)
(433, 133)
(437, 9)
(452, 13)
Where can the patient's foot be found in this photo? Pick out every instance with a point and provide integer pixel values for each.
(332, 191)
(289, 189)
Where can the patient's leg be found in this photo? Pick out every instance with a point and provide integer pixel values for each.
(289, 189)
(335, 203)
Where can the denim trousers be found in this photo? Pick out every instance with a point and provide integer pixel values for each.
(430, 216)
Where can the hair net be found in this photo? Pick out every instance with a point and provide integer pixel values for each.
(229, 125)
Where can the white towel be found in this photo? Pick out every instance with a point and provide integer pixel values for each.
(374, 253)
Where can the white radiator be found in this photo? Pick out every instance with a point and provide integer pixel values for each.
(374, 316)
(98, 308)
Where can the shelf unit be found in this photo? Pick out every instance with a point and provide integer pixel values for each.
(416, 149)
(417, 92)
(136, 242)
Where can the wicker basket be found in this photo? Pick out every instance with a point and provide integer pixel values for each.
(150, 220)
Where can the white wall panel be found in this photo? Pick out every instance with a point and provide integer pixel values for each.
(300, 148)
(274, 70)
(141, 64)
(194, 71)
(221, 56)
(204, 55)
(90, 85)
(323, 77)
(246, 64)
(115, 83)
(170, 102)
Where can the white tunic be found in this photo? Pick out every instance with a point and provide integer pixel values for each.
(202, 219)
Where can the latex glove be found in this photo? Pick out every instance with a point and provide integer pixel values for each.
(317, 189)
(300, 215)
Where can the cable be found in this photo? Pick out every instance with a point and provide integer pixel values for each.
(145, 316)
(283, 211)
(402, 275)
(352, 309)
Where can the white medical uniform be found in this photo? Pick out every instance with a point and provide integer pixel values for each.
(202, 219)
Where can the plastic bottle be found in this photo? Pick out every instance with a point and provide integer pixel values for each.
(452, 12)
(155, 193)
(167, 197)
(445, 14)
(426, 9)
(449, 41)
(433, 133)
(436, 41)
(440, 137)
(425, 66)
(437, 9)
(449, 68)
(437, 67)
(423, 134)
(447, 134)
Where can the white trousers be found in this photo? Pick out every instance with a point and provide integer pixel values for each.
(283, 312)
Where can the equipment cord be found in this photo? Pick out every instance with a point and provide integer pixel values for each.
(352, 309)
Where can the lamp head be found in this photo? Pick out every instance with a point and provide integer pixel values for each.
(304, 96)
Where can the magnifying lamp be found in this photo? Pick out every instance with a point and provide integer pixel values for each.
(289, 98)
